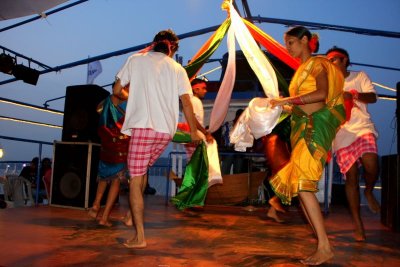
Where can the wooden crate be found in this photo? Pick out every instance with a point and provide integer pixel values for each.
(236, 188)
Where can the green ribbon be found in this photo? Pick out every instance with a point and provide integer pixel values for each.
(181, 137)
(194, 66)
(193, 190)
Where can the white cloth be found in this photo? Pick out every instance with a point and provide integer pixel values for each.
(257, 120)
(257, 61)
(262, 118)
(198, 109)
(156, 82)
(214, 168)
(224, 94)
(360, 120)
(241, 135)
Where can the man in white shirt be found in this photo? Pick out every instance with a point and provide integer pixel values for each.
(199, 88)
(355, 142)
(156, 83)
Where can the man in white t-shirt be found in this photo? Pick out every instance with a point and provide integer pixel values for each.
(355, 142)
(156, 83)
(199, 88)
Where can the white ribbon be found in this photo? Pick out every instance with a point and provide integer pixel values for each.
(223, 98)
(257, 120)
(254, 55)
(259, 64)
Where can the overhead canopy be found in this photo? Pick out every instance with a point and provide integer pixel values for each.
(11, 9)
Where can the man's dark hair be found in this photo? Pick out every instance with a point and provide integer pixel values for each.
(164, 40)
(197, 81)
(340, 50)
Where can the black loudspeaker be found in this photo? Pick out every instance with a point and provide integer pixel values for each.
(80, 116)
(74, 177)
(390, 197)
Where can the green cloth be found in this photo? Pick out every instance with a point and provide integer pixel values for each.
(181, 137)
(195, 65)
(194, 187)
(318, 129)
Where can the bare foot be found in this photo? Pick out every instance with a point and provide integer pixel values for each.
(319, 257)
(134, 243)
(273, 215)
(372, 202)
(105, 223)
(127, 219)
(359, 236)
(276, 203)
(93, 212)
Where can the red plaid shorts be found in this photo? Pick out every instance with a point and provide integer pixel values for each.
(351, 154)
(145, 147)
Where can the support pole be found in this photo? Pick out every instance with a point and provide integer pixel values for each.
(398, 115)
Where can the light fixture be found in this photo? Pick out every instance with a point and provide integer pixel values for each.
(26, 74)
(8, 65)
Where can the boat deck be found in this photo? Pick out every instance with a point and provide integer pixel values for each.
(215, 236)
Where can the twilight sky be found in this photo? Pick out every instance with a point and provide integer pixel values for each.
(103, 26)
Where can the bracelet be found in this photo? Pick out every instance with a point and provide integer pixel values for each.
(354, 93)
(296, 101)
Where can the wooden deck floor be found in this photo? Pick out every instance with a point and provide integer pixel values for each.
(217, 236)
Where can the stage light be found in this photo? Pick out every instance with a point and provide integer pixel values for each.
(26, 74)
(6, 63)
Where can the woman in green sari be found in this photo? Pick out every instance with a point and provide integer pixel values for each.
(316, 104)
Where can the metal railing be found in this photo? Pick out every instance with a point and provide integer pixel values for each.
(40, 150)
(175, 163)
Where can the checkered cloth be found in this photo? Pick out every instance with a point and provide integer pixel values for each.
(145, 147)
(351, 154)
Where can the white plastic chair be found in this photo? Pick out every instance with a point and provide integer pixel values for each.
(18, 190)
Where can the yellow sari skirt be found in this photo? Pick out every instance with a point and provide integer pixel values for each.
(311, 138)
(301, 173)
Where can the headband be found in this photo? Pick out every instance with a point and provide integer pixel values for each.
(335, 54)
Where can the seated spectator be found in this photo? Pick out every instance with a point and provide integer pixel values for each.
(30, 173)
